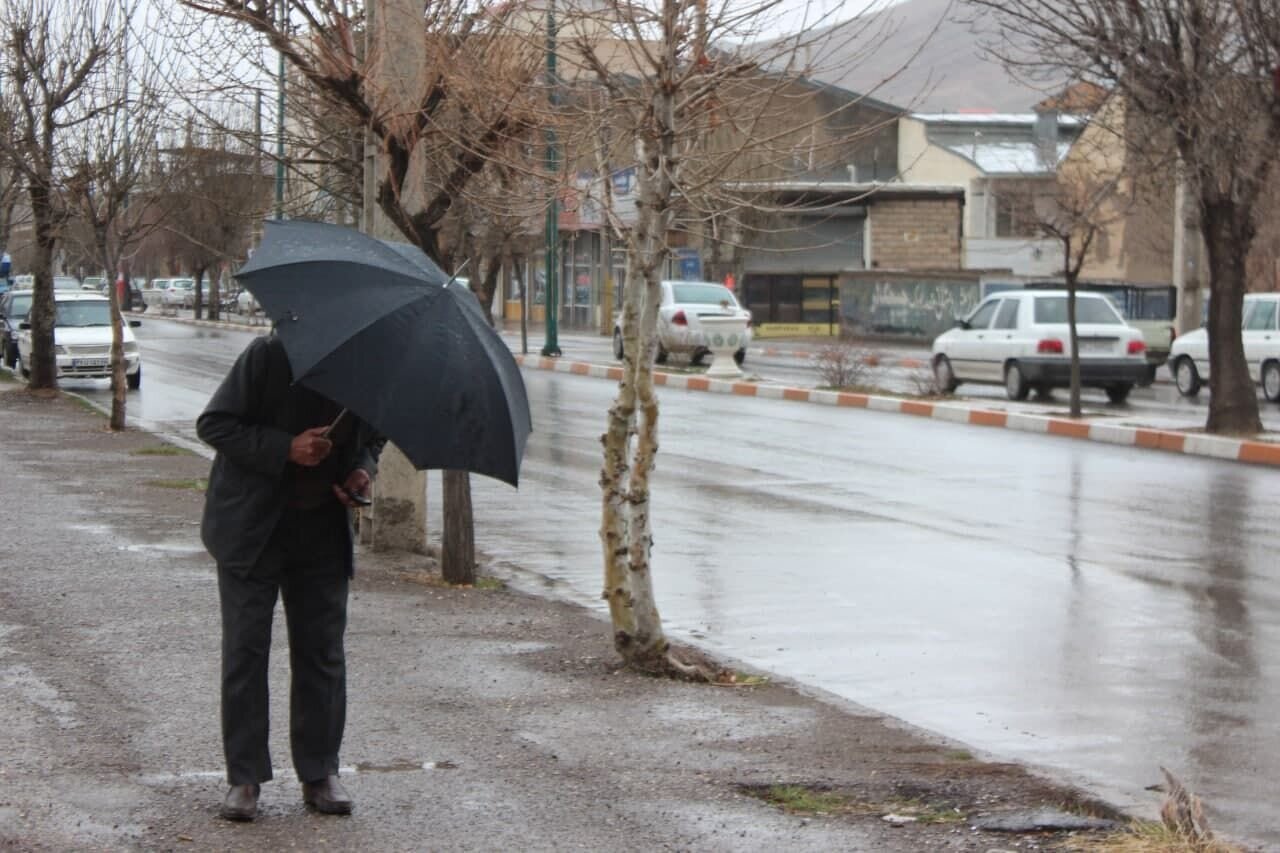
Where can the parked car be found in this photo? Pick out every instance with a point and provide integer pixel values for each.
(95, 283)
(60, 282)
(679, 326)
(82, 339)
(1021, 339)
(246, 304)
(153, 292)
(14, 306)
(181, 293)
(1260, 332)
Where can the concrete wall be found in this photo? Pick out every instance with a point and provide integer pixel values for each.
(1019, 255)
(905, 306)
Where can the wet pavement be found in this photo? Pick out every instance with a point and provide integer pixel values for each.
(1097, 610)
(479, 719)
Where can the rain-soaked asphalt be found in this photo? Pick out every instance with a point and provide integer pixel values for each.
(1096, 610)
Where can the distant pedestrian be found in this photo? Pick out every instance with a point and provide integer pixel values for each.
(290, 465)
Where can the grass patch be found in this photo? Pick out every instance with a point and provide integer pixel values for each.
(195, 484)
(1147, 837)
(798, 798)
(434, 580)
(959, 755)
(160, 450)
(731, 678)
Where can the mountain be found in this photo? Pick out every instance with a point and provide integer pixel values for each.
(941, 43)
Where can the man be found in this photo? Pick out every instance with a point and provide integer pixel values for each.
(290, 466)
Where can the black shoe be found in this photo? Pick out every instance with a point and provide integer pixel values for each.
(241, 803)
(327, 796)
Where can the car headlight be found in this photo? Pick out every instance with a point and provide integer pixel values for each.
(130, 346)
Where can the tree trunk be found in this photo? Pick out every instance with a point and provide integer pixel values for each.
(215, 296)
(458, 540)
(1074, 342)
(119, 382)
(1233, 403)
(43, 367)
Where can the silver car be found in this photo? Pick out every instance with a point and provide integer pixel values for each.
(683, 305)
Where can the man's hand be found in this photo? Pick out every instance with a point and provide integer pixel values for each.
(309, 448)
(357, 483)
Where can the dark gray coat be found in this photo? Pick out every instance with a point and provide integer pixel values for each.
(247, 423)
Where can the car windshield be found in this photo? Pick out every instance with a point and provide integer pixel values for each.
(183, 284)
(20, 306)
(62, 282)
(1089, 309)
(89, 312)
(701, 294)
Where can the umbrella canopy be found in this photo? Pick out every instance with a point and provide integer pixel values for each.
(379, 328)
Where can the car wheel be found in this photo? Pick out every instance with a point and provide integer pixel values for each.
(1186, 377)
(1118, 393)
(134, 380)
(740, 356)
(1015, 384)
(617, 344)
(943, 375)
(661, 357)
(1271, 381)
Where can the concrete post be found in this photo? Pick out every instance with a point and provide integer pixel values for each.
(394, 30)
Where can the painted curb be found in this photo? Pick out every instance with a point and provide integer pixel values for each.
(1169, 441)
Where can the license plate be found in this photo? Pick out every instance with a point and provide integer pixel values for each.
(1096, 345)
(89, 362)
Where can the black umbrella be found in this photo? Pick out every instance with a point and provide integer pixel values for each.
(378, 328)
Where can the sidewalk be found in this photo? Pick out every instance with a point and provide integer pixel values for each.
(479, 719)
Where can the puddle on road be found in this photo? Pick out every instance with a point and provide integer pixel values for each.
(165, 547)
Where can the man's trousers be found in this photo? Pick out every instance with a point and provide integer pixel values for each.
(306, 562)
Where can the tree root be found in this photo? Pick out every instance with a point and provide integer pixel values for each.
(667, 663)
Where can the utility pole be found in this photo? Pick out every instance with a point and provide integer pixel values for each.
(280, 120)
(551, 345)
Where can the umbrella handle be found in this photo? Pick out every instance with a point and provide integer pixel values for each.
(330, 428)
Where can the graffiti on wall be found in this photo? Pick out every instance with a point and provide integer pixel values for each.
(904, 307)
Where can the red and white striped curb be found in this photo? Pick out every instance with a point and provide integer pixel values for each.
(1173, 441)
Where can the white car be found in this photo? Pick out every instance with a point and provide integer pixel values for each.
(153, 292)
(246, 304)
(82, 339)
(1260, 329)
(679, 323)
(181, 293)
(1020, 338)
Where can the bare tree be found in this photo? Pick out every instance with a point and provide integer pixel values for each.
(111, 155)
(475, 100)
(708, 127)
(54, 61)
(1207, 71)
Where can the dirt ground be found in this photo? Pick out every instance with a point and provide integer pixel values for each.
(479, 718)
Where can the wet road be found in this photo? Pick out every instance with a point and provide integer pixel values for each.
(1093, 609)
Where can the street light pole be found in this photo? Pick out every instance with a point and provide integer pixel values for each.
(280, 121)
(551, 344)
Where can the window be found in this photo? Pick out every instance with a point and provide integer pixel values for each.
(981, 318)
(704, 294)
(1089, 309)
(1007, 318)
(1015, 215)
(1262, 318)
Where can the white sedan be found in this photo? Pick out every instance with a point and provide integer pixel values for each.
(680, 331)
(1020, 338)
(1260, 330)
(82, 339)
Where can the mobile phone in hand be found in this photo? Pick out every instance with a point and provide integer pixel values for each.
(357, 498)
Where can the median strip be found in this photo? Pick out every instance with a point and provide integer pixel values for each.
(1167, 440)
